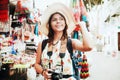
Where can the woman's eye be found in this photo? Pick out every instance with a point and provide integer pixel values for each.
(54, 19)
(60, 19)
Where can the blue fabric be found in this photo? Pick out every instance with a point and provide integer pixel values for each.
(75, 35)
(36, 29)
(13, 51)
(84, 18)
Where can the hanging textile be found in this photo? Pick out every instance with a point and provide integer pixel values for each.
(4, 10)
(80, 14)
(83, 11)
(36, 32)
(76, 9)
(79, 10)
(21, 11)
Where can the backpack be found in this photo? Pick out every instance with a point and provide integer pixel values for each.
(74, 59)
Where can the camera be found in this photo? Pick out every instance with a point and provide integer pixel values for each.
(55, 75)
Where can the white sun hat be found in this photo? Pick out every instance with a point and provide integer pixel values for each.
(61, 8)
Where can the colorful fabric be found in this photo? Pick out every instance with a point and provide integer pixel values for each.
(21, 11)
(76, 9)
(83, 11)
(79, 10)
(4, 10)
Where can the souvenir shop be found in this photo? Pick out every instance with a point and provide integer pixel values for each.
(17, 46)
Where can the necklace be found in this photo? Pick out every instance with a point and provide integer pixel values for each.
(55, 43)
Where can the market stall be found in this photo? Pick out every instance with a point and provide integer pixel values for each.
(16, 40)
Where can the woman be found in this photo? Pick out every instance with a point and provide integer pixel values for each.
(57, 24)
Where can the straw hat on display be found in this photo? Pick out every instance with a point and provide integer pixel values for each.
(61, 8)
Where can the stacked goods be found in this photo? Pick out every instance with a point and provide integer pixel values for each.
(30, 47)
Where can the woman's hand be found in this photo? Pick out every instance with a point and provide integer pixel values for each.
(86, 44)
(47, 75)
(80, 25)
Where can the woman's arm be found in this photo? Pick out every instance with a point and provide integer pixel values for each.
(86, 44)
(38, 67)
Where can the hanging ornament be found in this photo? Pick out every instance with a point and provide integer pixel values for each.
(84, 68)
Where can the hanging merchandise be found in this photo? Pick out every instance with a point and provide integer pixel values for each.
(36, 29)
(19, 15)
(33, 18)
(16, 23)
(83, 11)
(76, 10)
(84, 15)
(4, 10)
(80, 14)
(30, 19)
(76, 32)
(84, 68)
(20, 11)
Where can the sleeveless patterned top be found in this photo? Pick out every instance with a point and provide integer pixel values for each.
(55, 61)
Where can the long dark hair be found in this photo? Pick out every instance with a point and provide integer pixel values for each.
(51, 32)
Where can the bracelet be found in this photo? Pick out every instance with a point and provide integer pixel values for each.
(42, 71)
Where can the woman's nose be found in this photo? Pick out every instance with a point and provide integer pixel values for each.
(58, 20)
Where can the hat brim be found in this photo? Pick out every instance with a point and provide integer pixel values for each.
(61, 8)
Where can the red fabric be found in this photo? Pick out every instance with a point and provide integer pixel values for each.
(4, 10)
(3, 15)
(77, 14)
(77, 28)
(20, 10)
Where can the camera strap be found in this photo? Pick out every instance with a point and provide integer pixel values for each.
(61, 52)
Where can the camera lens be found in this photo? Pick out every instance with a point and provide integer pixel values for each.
(56, 76)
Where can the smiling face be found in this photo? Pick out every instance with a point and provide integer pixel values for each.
(57, 22)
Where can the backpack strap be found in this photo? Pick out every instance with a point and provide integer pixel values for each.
(44, 42)
(70, 50)
(69, 47)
